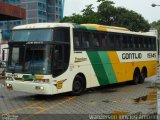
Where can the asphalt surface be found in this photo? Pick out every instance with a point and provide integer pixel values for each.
(115, 100)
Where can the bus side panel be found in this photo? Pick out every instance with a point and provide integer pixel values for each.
(103, 69)
(124, 70)
(82, 64)
(151, 68)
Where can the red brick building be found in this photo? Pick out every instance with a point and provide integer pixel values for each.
(11, 12)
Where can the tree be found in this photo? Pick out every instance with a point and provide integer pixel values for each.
(121, 17)
(89, 16)
(108, 14)
(75, 18)
(156, 25)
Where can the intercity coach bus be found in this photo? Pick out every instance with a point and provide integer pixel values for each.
(52, 58)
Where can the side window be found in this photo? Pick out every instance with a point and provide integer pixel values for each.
(150, 43)
(117, 42)
(111, 41)
(154, 43)
(86, 40)
(135, 43)
(130, 42)
(102, 40)
(145, 43)
(61, 35)
(140, 45)
(77, 39)
(125, 42)
(95, 40)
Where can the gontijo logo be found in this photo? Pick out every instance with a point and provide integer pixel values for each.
(134, 56)
(131, 55)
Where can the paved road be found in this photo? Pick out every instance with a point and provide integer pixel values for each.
(114, 99)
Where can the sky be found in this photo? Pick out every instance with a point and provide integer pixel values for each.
(142, 7)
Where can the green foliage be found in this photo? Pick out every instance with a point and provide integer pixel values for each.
(156, 25)
(74, 19)
(108, 14)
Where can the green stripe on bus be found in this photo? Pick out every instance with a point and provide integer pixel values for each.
(79, 26)
(91, 28)
(102, 67)
(84, 27)
(108, 66)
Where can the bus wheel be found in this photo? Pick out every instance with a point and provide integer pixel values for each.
(142, 76)
(78, 85)
(136, 77)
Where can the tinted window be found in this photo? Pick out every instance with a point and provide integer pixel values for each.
(32, 35)
(77, 39)
(86, 40)
(118, 39)
(95, 40)
(111, 41)
(61, 35)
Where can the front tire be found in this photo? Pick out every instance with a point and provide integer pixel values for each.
(78, 85)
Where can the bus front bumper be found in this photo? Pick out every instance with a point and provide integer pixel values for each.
(36, 88)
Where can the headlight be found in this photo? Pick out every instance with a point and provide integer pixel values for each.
(9, 78)
(39, 88)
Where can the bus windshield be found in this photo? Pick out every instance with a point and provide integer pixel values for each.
(32, 35)
(33, 59)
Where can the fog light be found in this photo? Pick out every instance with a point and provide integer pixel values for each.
(9, 86)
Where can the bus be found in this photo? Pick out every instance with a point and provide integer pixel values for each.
(53, 58)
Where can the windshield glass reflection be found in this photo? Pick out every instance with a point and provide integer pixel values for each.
(34, 59)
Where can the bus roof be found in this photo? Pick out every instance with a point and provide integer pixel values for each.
(42, 25)
(83, 26)
(116, 29)
(104, 28)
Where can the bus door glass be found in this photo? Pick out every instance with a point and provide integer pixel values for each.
(61, 51)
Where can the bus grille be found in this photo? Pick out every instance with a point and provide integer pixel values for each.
(22, 79)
